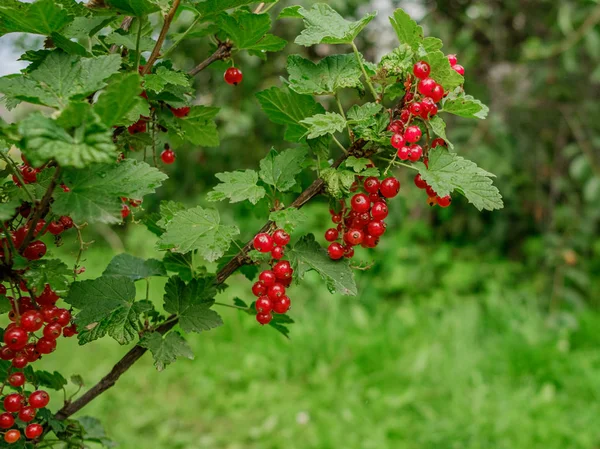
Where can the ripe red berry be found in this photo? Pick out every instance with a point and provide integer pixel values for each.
(431, 201)
(336, 251)
(275, 291)
(267, 277)
(376, 228)
(31, 352)
(379, 211)
(348, 252)
(416, 109)
(281, 237)
(459, 69)
(16, 379)
(27, 414)
(180, 112)
(374, 197)
(137, 127)
(20, 361)
(13, 402)
(277, 252)
(452, 59)
(283, 270)
(420, 182)
(50, 313)
(125, 211)
(63, 317)
(415, 152)
(35, 250)
(444, 201)
(403, 153)
(371, 241)
(438, 141)
(412, 134)
(233, 76)
(331, 235)
(263, 304)
(404, 117)
(336, 218)
(353, 237)
(360, 203)
(426, 86)
(56, 227)
(32, 321)
(421, 69)
(12, 436)
(390, 187)
(263, 242)
(2, 289)
(430, 192)
(45, 345)
(282, 305)
(16, 338)
(371, 184)
(6, 420)
(397, 140)
(69, 331)
(264, 318)
(6, 353)
(52, 331)
(33, 431)
(29, 174)
(168, 156)
(67, 222)
(437, 93)
(39, 399)
(396, 126)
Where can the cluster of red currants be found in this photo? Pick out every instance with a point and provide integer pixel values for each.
(271, 286)
(22, 346)
(361, 223)
(125, 209)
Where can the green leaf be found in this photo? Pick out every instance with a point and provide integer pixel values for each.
(431, 44)
(40, 378)
(68, 46)
(398, 62)
(95, 193)
(108, 303)
(337, 181)
(163, 76)
(463, 105)
(45, 140)
(441, 71)
(192, 303)
(48, 271)
(438, 125)
(42, 17)
(325, 77)
(119, 98)
(199, 127)
(308, 255)
(77, 380)
(134, 268)
(279, 323)
(166, 349)
(249, 31)
(290, 12)
(211, 7)
(325, 26)
(288, 218)
(363, 113)
(138, 8)
(237, 186)
(280, 169)
(408, 31)
(84, 27)
(181, 264)
(168, 209)
(286, 107)
(198, 229)
(357, 164)
(448, 172)
(128, 40)
(323, 124)
(93, 431)
(8, 209)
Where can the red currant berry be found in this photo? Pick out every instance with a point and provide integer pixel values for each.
(39, 399)
(437, 142)
(13, 402)
(29, 174)
(45, 345)
(16, 379)
(404, 117)
(459, 69)
(437, 93)
(48, 297)
(390, 187)
(282, 305)
(137, 127)
(15, 338)
(419, 182)
(67, 222)
(31, 352)
(6, 353)
(180, 113)
(415, 153)
(233, 76)
(403, 153)
(376, 228)
(397, 140)
(277, 290)
(263, 242)
(281, 237)
(27, 414)
(371, 184)
(444, 201)
(354, 237)
(33, 431)
(263, 304)
(264, 318)
(430, 192)
(259, 289)
(32, 321)
(50, 313)
(426, 86)
(421, 70)
(379, 211)
(277, 252)
(349, 252)
(412, 134)
(337, 218)
(20, 361)
(432, 201)
(56, 227)
(12, 436)
(70, 331)
(374, 197)
(125, 211)
(63, 317)
(52, 331)
(283, 270)
(452, 59)
(168, 156)
(2, 289)
(35, 250)
(331, 235)
(396, 126)
(336, 251)
(371, 241)
(416, 109)
(360, 203)
(267, 277)
(6, 420)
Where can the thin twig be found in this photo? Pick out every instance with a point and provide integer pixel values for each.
(223, 51)
(364, 71)
(10, 163)
(161, 37)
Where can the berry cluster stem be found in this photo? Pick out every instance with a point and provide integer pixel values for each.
(161, 38)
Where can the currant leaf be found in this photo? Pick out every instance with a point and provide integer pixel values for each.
(329, 75)
(199, 127)
(407, 30)
(119, 98)
(53, 272)
(162, 77)
(438, 125)
(338, 181)
(138, 8)
(463, 105)
(280, 169)
(42, 17)
(166, 349)
(288, 219)
(135, 268)
(441, 71)
(237, 186)
(323, 124)
(182, 264)
(249, 31)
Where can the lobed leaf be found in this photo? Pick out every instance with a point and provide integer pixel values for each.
(329, 75)
(166, 349)
(237, 186)
(280, 169)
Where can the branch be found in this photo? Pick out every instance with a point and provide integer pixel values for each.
(236, 262)
(161, 37)
(223, 51)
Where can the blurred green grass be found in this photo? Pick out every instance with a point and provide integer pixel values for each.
(478, 370)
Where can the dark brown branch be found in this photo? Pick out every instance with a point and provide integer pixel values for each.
(223, 51)
(161, 37)
(236, 262)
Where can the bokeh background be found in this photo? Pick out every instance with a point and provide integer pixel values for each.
(472, 330)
